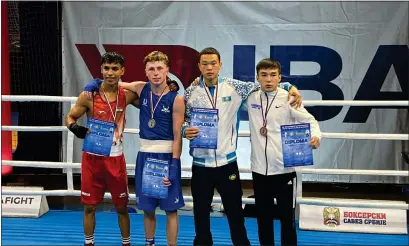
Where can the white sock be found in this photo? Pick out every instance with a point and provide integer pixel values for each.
(126, 240)
(89, 239)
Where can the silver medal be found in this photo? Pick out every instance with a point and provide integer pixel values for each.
(151, 123)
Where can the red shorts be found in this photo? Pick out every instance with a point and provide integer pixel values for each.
(101, 173)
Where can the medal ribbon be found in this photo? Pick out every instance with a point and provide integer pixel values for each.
(109, 104)
(160, 97)
(213, 100)
(267, 108)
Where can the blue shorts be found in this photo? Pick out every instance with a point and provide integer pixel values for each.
(175, 196)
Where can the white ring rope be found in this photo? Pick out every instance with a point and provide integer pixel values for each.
(299, 200)
(13, 98)
(35, 128)
(187, 168)
(362, 136)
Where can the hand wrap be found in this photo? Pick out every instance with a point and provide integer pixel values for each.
(174, 170)
(78, 131)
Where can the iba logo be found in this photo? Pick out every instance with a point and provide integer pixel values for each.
(184, 59)
(332, 216)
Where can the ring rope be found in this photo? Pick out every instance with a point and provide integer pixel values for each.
(186, 168)
(39, 98)
(299, 200)
(362, 136)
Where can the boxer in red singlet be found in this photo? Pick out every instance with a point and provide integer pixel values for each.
(100, 173)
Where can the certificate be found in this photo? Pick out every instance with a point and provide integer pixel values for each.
(99, 141)
(295, 141)
(154, 171)
(206, 119)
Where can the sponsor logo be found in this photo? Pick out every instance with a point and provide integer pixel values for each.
(85, 193)
(332, 216)
(184, 66)
(165, 109)
(17, 200)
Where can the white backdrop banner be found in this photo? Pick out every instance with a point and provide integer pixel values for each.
(330, 51)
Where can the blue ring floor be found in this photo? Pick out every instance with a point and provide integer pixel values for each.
(65, 228)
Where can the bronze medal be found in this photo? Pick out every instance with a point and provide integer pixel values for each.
(263, 131)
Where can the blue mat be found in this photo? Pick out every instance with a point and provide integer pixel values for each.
(65, 228)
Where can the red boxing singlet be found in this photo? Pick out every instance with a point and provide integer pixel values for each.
(100, 173)
(102, 111)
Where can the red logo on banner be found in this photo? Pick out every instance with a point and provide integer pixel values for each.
(183, 60)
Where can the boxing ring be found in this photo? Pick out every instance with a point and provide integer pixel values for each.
(35, 230)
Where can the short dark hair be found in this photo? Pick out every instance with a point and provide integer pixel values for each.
(209, 51)
(268, 63)
(112, 57)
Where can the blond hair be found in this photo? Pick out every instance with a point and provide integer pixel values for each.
(156, 56)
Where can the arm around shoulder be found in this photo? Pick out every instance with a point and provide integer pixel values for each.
(294, 95)
(244, 89)
(132, 98)
(135, 86)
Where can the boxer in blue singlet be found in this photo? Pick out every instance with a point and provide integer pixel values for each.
(161, 117)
